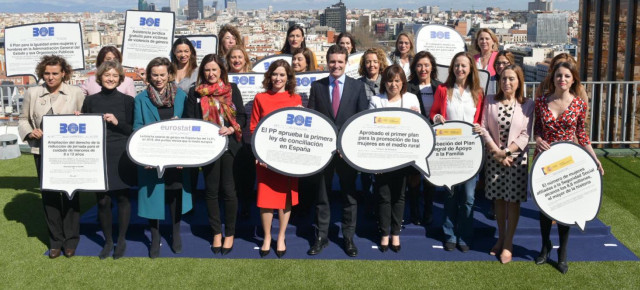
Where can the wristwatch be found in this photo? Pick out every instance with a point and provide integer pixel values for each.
(507, 152)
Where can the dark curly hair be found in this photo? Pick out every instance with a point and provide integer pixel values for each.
(51, 60)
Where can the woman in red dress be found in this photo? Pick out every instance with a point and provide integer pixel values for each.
(560, 116)
(275, 191)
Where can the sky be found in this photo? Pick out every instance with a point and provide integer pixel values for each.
(25, 6)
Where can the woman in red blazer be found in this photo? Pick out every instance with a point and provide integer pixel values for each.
(459, 98)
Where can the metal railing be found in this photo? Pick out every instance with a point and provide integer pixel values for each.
(614, 112)
(614, 117)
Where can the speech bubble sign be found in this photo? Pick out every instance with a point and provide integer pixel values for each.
(263, 65)
(73, 153)
(386, 139)
(147, 35)
(566, 184)
(174, 143)
(26, 44)
(443, 42)
(458, 154)
(295, 141)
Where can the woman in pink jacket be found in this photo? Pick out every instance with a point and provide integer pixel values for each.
(506, 122)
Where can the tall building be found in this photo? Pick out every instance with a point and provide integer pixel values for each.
(547, 27)
(151, 7)
(541, 5)
(195, 9)
(335, 16)
(231, 6)
(174, 5)
(142, 5)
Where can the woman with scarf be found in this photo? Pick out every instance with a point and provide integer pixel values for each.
(161, 100)
(216, 100)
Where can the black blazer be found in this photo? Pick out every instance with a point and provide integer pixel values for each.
(353, 101)
(413, 87)
(193, 110)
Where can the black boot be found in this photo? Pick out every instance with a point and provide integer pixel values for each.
(154, 250)
(544, 252)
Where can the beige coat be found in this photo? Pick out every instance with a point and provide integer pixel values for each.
(37, 103)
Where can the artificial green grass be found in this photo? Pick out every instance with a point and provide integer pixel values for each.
(23, 240)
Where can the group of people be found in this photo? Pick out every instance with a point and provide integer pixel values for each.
(181, 88)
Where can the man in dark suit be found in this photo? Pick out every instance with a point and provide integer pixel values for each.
(338, 97)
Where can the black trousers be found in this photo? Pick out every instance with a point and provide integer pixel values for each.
(218, 177)
(390, 192)
(347, 176)
(245, 177)
(61, 214)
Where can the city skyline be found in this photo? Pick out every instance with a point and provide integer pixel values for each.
(10, 6)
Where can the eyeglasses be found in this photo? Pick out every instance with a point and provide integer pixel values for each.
(505, 63)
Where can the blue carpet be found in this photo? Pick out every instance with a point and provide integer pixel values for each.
(418, 242)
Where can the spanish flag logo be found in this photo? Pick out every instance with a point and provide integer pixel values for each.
(387, 120)
(449, 132)
(555, 166)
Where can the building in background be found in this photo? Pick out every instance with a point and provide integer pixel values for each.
(541, 5)
(335, 17)
(195, 9)
(174, 5)
(545, 27)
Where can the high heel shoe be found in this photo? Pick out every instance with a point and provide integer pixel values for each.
(216, 250)
(227, 250)
(395, 248)
(281, 253)
(383, 248)
(506, 256)
(108, 247)
(264, 253)
(545, 252)
(563, 267)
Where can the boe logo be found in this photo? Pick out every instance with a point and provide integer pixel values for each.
(305, 81)
(197, 43)
(43, 31)
(243, 80)
(73, 128)
(144, 21)
(440, 35)
(299, 120)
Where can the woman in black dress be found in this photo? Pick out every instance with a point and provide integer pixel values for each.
(117, 111)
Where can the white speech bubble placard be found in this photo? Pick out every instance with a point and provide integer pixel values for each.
(386, 139)
(295, 141)
(26, 44)
(147, 35)
(457, 156)
(174, 143)
(73, 153)
(263, 65)
(566, 184)
(443, 42)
